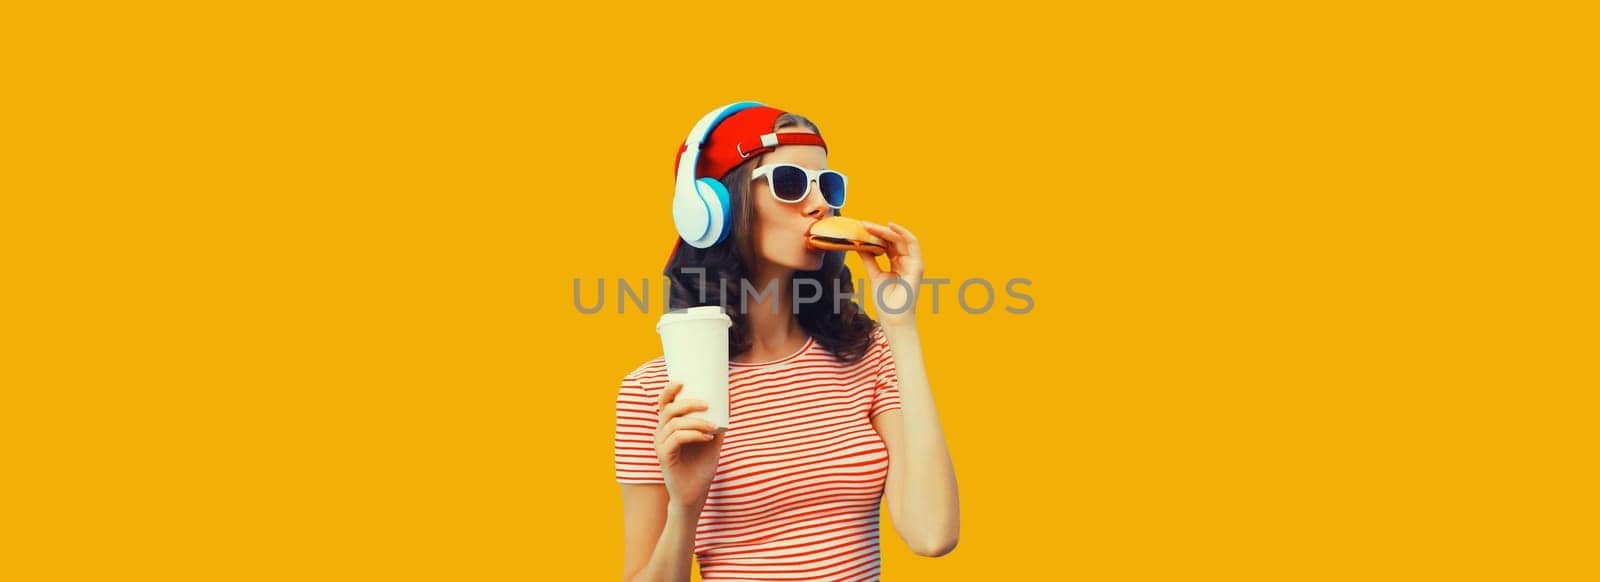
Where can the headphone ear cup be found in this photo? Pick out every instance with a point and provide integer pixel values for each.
(719, 206)
(702, 211)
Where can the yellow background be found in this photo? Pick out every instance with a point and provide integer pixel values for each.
(289, 289)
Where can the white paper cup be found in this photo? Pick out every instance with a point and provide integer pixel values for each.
(695, 342)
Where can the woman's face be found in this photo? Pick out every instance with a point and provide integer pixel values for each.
(780, 227)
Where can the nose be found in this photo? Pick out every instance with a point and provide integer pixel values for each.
(815, 205)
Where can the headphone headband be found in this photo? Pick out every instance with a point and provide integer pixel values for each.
(690, 157)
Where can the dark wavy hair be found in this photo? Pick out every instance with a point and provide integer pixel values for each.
(846, 333)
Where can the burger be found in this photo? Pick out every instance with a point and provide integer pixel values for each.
(837, 233)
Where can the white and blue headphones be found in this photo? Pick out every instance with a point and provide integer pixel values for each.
(701, 209)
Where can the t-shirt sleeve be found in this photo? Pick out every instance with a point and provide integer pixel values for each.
(886, 395)
(634, 443)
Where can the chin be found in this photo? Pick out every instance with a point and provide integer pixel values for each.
(807, 262)
(813, 261)
(799, 259)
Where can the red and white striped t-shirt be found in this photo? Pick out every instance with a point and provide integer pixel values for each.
(801, 472)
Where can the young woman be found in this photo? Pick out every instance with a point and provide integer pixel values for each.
(829, 411)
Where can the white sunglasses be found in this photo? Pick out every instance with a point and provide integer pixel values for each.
(791, 183)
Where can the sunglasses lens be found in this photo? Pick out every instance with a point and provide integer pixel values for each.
(789, 183)
(832, 184)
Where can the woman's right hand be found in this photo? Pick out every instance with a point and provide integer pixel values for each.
(687, 448)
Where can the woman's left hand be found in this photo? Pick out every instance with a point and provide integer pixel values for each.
(895, 301)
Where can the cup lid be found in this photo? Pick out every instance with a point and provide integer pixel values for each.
(705, 312)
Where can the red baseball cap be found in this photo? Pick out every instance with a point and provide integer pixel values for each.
(748, 132)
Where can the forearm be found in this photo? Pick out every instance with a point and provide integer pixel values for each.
(930, 503)
(673, 556)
